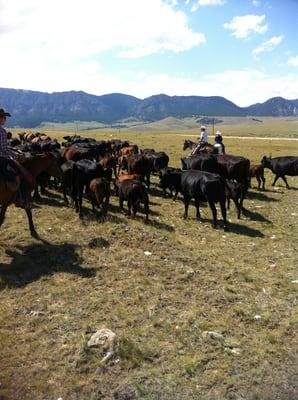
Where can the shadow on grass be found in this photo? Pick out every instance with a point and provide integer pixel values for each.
(160, 225)
(234, 228)
(156, 192)
(48, 201)
(244, 230)
(255, 216)
(100, 217)
(30, 263)
(260, 196)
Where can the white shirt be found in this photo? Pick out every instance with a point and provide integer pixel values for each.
(204, 137)
(219, 148)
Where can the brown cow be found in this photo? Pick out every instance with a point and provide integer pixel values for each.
(76, 153)
(109, 161)
(28, 136)
(123, 177)
(134, 192)
(139, 164)
(257, 171)
(129, 150)
(41, 138)
(99, 194)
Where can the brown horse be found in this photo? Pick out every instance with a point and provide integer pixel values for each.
(207, 149)
(35, 165)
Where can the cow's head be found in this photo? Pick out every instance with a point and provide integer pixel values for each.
(266, 161)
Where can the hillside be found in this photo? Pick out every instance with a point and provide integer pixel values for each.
(30, 108)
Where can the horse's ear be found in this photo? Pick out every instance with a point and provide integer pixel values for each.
(270, 155)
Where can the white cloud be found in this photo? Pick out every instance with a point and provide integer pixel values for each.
(268, 45)
(293, 61)
(256, 3)
(70, 29)
(245, 25)
(59, 45)
(204, 3)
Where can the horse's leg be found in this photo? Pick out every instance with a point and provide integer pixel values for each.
(30, 220)
(2, 214)
(36, 195)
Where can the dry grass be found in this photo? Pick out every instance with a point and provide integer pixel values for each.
(90, 273)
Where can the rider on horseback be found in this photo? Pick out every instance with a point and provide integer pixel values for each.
(203, 140)
(218, 143)
(9, 158)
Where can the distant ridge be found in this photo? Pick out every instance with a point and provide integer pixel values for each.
(31, 108)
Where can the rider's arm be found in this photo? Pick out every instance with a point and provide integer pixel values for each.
(5, 151)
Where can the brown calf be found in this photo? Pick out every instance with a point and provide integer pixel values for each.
(257, 171)
(134, 192)
(99, 194)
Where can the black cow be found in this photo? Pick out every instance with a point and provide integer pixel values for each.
(204, 186)
(147, 151)
(83, 171)
(234, 167)
(66, 180)
(134, 192)
(201, 162)
(281, 166)
(158, 159)
(13, 142)
(235, 191)
(170, 178)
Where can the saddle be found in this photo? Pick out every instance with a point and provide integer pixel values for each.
(9, 174)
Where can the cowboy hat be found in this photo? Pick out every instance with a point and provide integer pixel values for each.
(218, 133)
(203, 127)
(3, 113)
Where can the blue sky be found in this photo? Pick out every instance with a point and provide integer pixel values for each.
(244, 50)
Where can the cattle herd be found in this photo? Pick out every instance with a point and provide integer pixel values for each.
(95, 170)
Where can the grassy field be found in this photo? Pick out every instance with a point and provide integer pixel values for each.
(88, 274)
(230, 126)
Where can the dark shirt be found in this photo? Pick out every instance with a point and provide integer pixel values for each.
(5, 151)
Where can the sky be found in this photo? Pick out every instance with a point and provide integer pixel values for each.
(243, 50)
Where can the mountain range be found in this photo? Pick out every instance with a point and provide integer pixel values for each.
(30, 108)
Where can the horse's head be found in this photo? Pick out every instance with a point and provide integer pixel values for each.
(188, 144)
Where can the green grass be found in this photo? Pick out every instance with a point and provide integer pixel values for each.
(92, 274)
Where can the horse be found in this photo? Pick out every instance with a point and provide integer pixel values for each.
(207, 149)
(35, 165)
